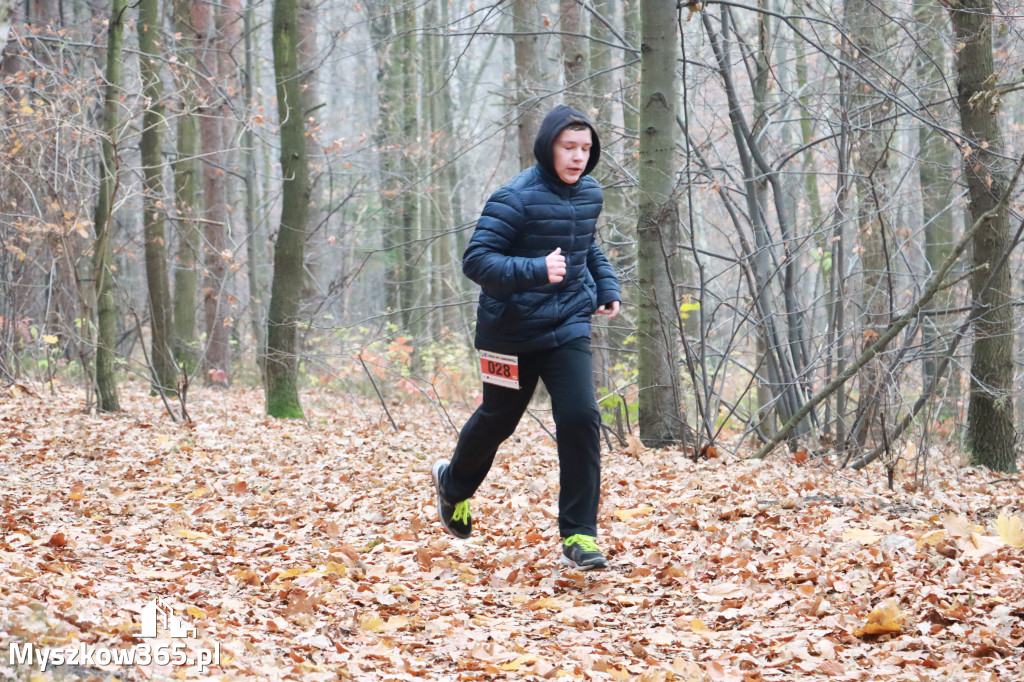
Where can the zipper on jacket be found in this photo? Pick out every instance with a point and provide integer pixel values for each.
(572, 227)
(568, 256)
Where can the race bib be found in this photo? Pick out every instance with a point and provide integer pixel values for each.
(500, 370)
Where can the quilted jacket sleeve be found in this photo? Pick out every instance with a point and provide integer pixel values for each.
(486, 260)
(604, 276)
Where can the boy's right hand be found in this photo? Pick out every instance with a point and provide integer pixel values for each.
(556, 265)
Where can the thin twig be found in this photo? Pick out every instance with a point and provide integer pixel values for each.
(975, 311)
(932, 287)
(374, 384)
(161, 390)
(542, 424)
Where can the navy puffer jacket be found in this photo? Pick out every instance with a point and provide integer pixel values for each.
(519, 309)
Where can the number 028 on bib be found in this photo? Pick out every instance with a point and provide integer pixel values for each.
(500, 370)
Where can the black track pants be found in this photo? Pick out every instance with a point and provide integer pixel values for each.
(567, 374)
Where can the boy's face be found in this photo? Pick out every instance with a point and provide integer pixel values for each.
(572, 151)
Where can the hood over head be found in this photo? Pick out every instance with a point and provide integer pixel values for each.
(557, 120)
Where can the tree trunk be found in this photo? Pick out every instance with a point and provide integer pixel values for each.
(152, 202)
(867, 25)
(574, 59)
(526, 107)
(630, 86)
(255, 238)
(990, 430)
(186, 176)
(935, 162)
(446, 269)
(615, 219)
(759, 90)
(6, 14)
(11, 14)
(106, 308)
(211, 126)
(781, 356)
(286, 288)
(660, 417)
(806, 136)
(825, 275)
(318, 257)
(229, 21)
(388, 135)
(411, 283)
(43, 14)
(601, 87)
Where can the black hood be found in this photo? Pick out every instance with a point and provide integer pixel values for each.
(554, 123)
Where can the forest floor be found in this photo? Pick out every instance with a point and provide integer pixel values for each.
(310, 550)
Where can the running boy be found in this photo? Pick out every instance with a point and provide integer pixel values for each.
(542, 277)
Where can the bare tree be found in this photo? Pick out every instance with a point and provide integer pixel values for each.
(868, 26)
(990, 427)
(186, 195)
(256, 230)
(6, 12)
(153, 199)
(524, 20)
(574, 53)
(935, 167)
(387, 46)
(106, 306)
(661, 421)
(438, 108)
(212, 112)
(286, 289)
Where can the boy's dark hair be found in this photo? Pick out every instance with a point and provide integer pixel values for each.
(576, 125)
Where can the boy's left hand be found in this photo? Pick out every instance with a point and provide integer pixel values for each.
(609, 309)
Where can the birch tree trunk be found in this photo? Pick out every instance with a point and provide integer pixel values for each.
(153, 199)
(106, 308)
(286, 288)
(660, 417)
(990, 429)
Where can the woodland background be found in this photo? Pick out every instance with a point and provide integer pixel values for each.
(810, 205)
(234, 334)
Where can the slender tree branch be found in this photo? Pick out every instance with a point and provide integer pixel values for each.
(932, 287)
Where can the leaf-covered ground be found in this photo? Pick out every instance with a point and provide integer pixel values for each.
(310, 550)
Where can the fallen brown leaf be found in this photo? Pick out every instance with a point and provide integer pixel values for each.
(885, 619)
